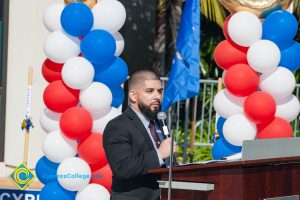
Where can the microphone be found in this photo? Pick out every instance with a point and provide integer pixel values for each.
(161, 116)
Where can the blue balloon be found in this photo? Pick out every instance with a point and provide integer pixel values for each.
(46, 170)
(280, 27)
(118, 96)
(77, 19)
(223, 149)
(220, 124)
(290, 58)
(53, 191)
(114, 75)
(98, 46)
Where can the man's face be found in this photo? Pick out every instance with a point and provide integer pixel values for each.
(149, 97)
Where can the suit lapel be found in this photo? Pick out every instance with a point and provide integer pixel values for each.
(139, 125)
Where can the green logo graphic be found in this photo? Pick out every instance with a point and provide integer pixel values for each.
(22, 176)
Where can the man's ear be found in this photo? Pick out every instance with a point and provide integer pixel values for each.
(132, 96)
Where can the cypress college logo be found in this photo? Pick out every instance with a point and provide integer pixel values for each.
(22, 176)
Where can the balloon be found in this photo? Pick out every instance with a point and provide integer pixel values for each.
(103, 176)
(241, 80)
(290, 58)
(76, 123)
(92, 151)
(109, 15)
(60, 47)
(93, 192)
(54, 191)
(49, 120)
(220, 124)
(222, 148)
(260, 107)
(279, 84)
(226, 104)
(46, 170)
(73, 174)
(57, 148)
(89, 3)
(280, 27)
(238, 128)
(119, 42)
(77, 19)
(51, 75)
(244, 28)
(97, 98)
(258, 7)
(263, 56)
(58, 97)
(278, 128)
(231, 57)
(118, 96)
(52, 65)
(226, 34)
(288, 108)
(98, 46)
(114, 75)
(99, 123)
(51, 17)
(78, 73)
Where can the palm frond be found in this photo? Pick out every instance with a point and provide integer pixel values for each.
(213, 11)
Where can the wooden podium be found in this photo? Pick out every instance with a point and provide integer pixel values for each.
(239, 180)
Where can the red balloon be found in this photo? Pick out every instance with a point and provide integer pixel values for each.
(76, 123)
(226, 34)
(227, 55)
(52, 65)
(51, 74)
(241, 80)
(102, 176)
(277, 128)
(260, 107)
(92, 151)
(58, 97)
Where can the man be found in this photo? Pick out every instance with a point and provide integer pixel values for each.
(133, 143)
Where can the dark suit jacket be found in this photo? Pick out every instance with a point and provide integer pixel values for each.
(131, 153)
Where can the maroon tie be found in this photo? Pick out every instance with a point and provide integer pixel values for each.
(154, 133)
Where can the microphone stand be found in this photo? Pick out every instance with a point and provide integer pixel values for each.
(173, 124)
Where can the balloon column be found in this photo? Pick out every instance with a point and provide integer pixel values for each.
(258, 58)
(85, 75)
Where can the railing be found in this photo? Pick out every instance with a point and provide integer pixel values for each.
(199, 111)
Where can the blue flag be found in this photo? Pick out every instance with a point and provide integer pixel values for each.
(184, 76)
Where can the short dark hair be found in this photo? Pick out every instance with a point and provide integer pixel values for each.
(140, 76)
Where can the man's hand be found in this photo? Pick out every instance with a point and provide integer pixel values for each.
(165, 148)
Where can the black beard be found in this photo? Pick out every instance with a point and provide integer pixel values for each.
(145, 110)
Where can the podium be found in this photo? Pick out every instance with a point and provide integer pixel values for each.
(275, 178)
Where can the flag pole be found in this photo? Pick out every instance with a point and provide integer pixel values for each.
(193, 125)
(27, 121)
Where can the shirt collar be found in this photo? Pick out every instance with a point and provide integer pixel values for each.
(143, 118)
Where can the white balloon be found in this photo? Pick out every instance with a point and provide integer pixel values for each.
(73, 174)
(109, 15)
(78, 73)
(226, 104)
(288, 108)
(264, 56)
(238, 128)
(244, 28)
(119, 42)
(100, 123)
(96, 98)
(51, 17)
(279, 84)
(93, 192)
(57, 147)
(60, 47)
(49, 120)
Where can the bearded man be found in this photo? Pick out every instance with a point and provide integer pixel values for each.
(133, 142)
